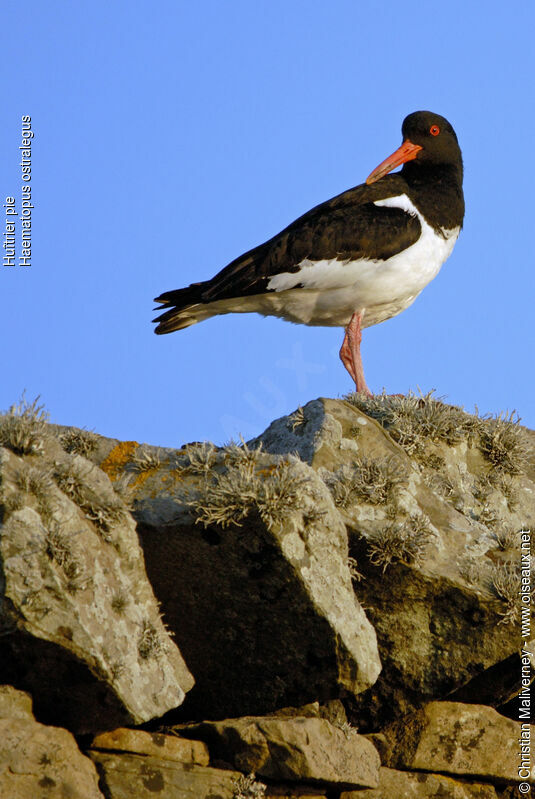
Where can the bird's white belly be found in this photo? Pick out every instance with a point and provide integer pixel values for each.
(328, 292)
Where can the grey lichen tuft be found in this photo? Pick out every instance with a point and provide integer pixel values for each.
(32, 480)
(228, 498)
(150, 644)
(507, 539)
(23, 428)
(117, 669)
(505, 584)
(144, 461)
(78, 442)
(240, 456)
(403, 542)
(297, 422)
(505, 484)
(434, 461)
(248, 788)
(123, 488)
(348, 729)
(415, 419)
(442, 485)
(10, 503)
(489, 516)
(482, 488)
(60, 550)
(502, 443)
(119, 602)
(496, 480)
(197, 458)
(472, 572)
(104, 517)
(370, 481)
(72, 481)
(356, 576)
(58, 546)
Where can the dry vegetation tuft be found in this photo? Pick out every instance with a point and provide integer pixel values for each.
(32, 480)
(403, 542)
(366, 480)
(78, 442)
(144, 461)
(196, 458)
(502, 443)
(505, 584)
(150, 644)
(413, 420)
(61, 550)
(507, 539)
(248, 788)
(23, 428)
(72, 480)
(228, 498)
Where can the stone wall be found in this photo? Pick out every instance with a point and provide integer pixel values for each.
(331, 609)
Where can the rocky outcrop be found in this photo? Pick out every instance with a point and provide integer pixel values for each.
(36, 760)
(81, 628)
(124, 776)
(457, 739)
(361, 556)
(166, 747)
(418, 785)
(262, 557)
(295, 749)
(433, 500)
(445, 750)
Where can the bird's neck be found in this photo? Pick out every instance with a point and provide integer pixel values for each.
(436, 189)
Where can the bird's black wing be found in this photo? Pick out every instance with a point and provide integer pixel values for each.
(347, 227)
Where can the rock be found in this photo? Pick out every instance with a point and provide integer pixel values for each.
(14, 704)
(332, 710)
(126, 775)
(291, 749)
(38, 761)
(261, 554)
(165, 747)
(418, 785)
(454, 738)
(75, 598)
(433, 499)
(409, 504)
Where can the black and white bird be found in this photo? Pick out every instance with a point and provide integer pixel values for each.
(353, 261)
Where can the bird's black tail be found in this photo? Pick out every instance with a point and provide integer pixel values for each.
(184, 308)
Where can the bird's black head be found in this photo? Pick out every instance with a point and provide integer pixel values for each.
(428, 139)
(434, 135)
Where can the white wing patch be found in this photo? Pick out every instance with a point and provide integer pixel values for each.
(424, 258)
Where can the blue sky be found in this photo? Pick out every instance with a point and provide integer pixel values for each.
(170, 137)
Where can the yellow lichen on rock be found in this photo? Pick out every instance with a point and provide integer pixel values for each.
(117, 459)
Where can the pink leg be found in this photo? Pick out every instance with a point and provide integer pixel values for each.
(350, 353)
(345, 357)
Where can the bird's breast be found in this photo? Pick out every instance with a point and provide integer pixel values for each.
(327, 292)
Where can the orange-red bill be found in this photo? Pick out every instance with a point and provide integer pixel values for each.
(406, 152)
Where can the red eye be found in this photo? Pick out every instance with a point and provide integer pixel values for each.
(434, 130)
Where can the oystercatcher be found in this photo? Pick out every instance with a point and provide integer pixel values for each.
(352, 261)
